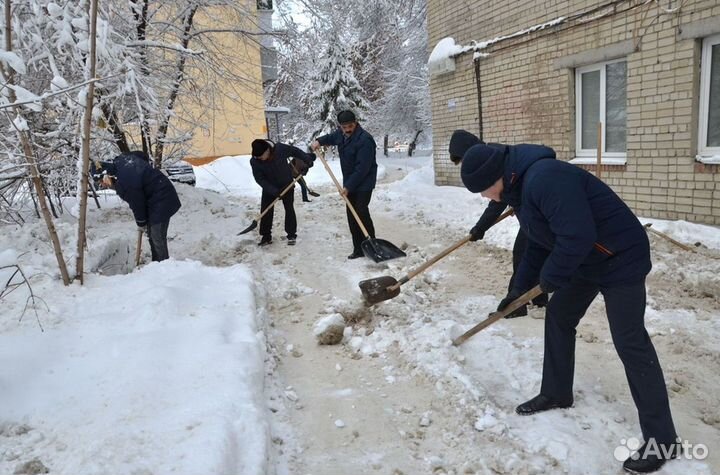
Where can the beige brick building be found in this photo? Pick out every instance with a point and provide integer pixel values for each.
(649, 72)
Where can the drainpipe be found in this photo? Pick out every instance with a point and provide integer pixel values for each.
(479, 99)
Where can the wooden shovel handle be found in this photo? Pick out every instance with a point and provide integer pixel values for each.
(321, 156)
(442, 254)
(668, 238)
(282, 193)
(495, 316)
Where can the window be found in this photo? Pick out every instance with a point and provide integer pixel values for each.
(600, 96)
(709, 123)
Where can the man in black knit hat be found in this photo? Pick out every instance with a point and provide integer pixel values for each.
(460, 142)
(273, 173)
(583, 240)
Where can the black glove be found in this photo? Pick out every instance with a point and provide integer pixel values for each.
(509, 298)
(547, 287)
(477, 232)
(142, 226)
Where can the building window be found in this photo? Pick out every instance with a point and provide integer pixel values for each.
(709, 123)
(601, 97)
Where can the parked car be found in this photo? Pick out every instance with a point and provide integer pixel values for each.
(181, 172)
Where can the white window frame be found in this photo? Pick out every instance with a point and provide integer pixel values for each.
(705, 153)
(589, 155)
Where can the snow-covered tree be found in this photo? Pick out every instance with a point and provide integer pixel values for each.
(335, 89)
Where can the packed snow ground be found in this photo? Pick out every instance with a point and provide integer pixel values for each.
(207, 363)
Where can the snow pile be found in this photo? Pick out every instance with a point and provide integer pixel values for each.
(233, 175)
(160, 371)
(450, 207)
(445, 48)
(329, 330)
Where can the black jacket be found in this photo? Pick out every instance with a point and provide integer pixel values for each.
(275, 174)
(150, 194)
(357, 158)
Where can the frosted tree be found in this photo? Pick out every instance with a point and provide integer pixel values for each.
(335, 88)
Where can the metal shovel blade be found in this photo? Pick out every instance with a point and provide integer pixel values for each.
(380, 250)
(378, 289)
(252, 226)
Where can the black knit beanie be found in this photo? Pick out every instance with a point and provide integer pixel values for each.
(482, 166)
(460, 142)
(259, 146)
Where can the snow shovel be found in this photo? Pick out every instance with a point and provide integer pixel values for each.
(378, 250)
(495, 316)
(138, 248)
(385, 288)
(255, 221)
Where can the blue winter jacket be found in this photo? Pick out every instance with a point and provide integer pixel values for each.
(150, 194)
(357, 158)
(576, 225)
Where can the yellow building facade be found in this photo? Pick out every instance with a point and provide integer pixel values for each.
(227, 104)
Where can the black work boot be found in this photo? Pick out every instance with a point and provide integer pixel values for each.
(540, 403)
(356, 254)
(292, 240)
(266, 239)
(650, 457)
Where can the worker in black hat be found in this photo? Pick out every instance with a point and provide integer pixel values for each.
(356, 148)
(460, 142)
(273, 173)
(583, 241)
(150, 194)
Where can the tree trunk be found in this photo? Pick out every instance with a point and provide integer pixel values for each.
(179, 76)
(30, 157)
(385, 145)
(85, 152)
(413, 144)
(117, 131)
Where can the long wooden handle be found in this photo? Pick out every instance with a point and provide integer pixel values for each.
(282, 193)
(668, 238)
(442, 254)
(321, 156)
(495, 316)
(138, 248)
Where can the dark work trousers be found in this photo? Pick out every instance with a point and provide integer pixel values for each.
(625, 308)
(360, 201)
(157, 235)
(521, 243)
(290, 219)
(303, 189)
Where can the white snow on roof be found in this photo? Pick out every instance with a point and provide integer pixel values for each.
(447, 48)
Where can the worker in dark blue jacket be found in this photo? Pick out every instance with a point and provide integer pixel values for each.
(356, 148)
(460, 143)
(273, 172)
(583, 241)
(150, 194)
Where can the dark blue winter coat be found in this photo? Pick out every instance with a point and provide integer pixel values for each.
(357, 158)
(576, 225)
(150, 194)
(275, 174)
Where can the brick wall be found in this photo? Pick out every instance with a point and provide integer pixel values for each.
(526, 97)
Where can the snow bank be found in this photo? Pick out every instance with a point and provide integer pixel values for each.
(451, 207)
(160, 371)
(233, 175)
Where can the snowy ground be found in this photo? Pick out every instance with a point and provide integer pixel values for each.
(207, 363)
